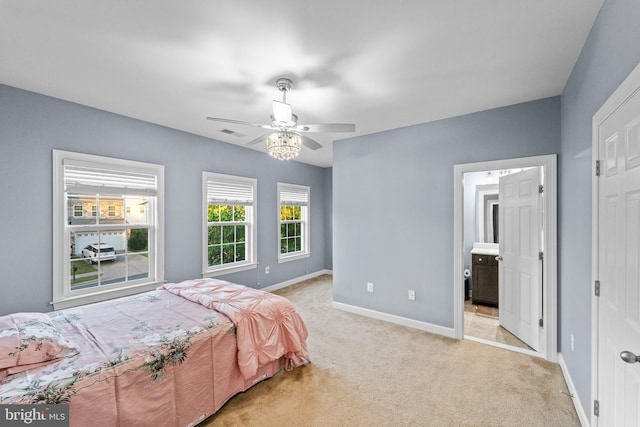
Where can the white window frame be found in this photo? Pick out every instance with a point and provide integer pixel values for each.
(63, 297)
(305, 193)
(251, 235)
(75, 211)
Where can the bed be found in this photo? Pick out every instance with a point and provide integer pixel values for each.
(172, 356)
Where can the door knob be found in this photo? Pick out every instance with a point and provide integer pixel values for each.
(498, 258)
(629, 357)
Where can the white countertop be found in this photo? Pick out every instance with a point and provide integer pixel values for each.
(485, 248)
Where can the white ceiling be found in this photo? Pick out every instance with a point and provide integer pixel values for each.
(378, 64)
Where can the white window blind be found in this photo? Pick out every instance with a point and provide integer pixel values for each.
(229, 193)
(294, 196)
(100, 179)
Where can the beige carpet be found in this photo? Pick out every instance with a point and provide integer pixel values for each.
(366, 372)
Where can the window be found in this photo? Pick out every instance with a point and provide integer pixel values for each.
(293, 205)
(229, 229)
(98, 258)
(77, 210)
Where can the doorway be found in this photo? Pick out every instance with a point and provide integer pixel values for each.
(503, 299)
(548, 295)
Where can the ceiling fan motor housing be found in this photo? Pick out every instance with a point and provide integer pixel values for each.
(284, 84)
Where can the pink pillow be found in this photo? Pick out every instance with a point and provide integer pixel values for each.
(31, 339)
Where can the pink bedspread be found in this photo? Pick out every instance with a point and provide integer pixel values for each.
(157, 359)
(267, 326)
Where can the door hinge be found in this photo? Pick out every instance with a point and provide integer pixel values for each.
(596, 408)
(541, 256)
(540, 188)
(597, 167)
(540, 323)
(597, 288)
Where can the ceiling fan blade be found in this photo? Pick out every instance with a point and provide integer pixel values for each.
(328, 127)
(282, 112)
(257, 140)
(269, 127)
(235, 122)
(310, 143)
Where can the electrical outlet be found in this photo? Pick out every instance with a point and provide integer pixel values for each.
(369, 287)
(572, 343)
(267, 270)
(412, 295)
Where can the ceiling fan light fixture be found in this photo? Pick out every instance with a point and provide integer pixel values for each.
(287, 137)
(284, 145)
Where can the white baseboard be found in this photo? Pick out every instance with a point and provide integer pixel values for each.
(296, 280)
(582, 415)
(423, 326)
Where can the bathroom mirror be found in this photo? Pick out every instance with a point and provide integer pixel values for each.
(487, 213)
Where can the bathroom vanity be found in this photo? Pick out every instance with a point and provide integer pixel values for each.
(484, 274)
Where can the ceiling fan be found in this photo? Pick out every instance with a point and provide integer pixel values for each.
(287, 136)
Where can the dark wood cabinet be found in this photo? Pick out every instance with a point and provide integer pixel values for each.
(484, 277)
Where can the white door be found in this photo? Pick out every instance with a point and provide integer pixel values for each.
(519, 268)
(618, 265)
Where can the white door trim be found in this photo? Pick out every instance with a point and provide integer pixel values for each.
(628, 87)
(549, 273)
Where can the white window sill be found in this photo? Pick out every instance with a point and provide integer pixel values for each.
(228, 270)
(104, 295)
(287, 258)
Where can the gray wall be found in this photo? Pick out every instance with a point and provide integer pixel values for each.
(393, 203)
(611, 52)
(31, 125)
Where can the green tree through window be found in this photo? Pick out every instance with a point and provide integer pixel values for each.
(226, 234)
